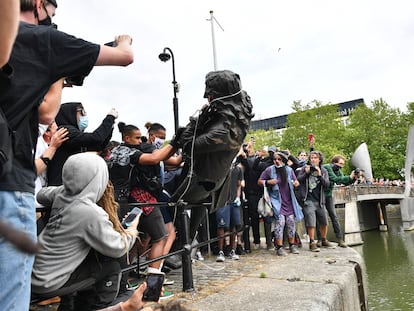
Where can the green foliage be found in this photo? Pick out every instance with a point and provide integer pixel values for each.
(382, 128)
(264, 138)
(320, 120)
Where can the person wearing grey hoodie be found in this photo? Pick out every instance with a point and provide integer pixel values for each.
(78, 233)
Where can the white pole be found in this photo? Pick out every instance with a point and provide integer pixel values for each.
(214, 40)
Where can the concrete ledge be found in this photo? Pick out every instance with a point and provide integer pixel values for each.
(308, 281)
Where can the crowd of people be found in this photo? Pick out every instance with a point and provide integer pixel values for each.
(86, 188)
(88, 184)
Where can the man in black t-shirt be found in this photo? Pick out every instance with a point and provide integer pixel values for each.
(41, 58)
(314, 179)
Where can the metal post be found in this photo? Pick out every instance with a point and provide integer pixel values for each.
(208, 231)
(165, 57)
(214, 40)
(188, 283)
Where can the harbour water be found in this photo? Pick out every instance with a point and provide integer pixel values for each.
(389, 260)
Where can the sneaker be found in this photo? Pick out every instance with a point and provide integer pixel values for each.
(233, 255)
(328, 244)
(319, 243)
(168, 282)
(166, 295)
(313, 247)
(220, 257)
(198, 256)
(239, 250)
(342, 243)
(269, 245)
(294, 249)
(256, 246)
(281, 251)
(132, 284)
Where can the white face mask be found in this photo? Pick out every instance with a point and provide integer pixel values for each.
(158, 142)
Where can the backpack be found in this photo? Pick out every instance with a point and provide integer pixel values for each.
(6, 145)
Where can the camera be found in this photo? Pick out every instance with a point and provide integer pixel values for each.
(358, 171)
(245, 148)
(313, 168)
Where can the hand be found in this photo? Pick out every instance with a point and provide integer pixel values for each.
(237, 202)
(135, 301)
(296, 183)
(271, 182)
(123, 38)
(113, 113)
(59, 138)
(176, 140)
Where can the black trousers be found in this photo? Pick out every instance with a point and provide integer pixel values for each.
(106, 273)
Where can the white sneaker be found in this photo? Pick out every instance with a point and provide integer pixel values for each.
(256, 246)
(220, 257)
(168, 282)
(233, 255)
(198, 256)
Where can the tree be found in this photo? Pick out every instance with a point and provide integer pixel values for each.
(384, 130)
(320, 120)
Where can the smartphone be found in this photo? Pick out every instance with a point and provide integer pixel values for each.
(154, 286)
(134, 213)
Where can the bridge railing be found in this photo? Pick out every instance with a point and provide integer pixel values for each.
(344, 194)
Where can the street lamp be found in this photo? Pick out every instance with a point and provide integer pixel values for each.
(164, 56)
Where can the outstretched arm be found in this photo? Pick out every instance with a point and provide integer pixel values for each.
(120, 55)
(9, 21)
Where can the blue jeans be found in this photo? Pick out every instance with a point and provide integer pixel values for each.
(17, 209)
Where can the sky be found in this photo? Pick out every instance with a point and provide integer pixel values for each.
(284, 51)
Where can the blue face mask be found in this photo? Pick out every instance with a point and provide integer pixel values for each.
(83, 123)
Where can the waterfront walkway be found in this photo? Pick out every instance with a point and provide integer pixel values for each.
(263, 281)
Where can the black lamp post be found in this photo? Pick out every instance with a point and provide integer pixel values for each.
(164, 56)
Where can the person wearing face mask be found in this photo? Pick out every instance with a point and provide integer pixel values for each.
(336, 177)
(40, 60)
(281, 180)
(74, 118)
(135, 171)
(50, 7)
(170, 172)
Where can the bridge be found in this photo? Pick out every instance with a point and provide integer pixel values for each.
(365, 208)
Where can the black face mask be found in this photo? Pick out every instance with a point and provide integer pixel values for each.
(335, 167)
(47, 21)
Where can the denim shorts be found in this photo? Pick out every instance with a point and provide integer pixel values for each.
(228, 216)
(312, 211)
(17, 209)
